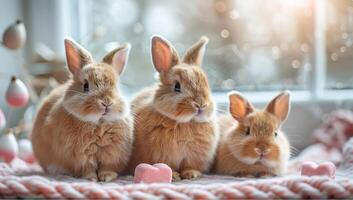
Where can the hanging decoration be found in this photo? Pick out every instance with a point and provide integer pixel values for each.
(8, 147)
(17, 94)
(2, 120)
(14, 36)
(25, 151)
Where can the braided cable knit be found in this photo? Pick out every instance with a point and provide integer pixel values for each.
(20, 180)
(282, 187)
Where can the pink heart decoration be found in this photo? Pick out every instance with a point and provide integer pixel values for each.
(324, 169)
(157, 173)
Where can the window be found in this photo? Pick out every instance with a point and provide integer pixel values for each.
(255, 45)
(339, 45)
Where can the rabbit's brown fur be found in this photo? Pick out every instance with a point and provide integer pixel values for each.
(236, 154)
(167, 127)
(73, 133)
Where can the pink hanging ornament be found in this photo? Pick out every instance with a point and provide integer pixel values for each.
(8, 147)
(2, 120)
(25, 151)
(14, 36)
(17, 94)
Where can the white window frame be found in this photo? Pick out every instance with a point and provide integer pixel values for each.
(317, 86)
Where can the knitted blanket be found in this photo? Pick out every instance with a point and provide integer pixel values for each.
(19, 179)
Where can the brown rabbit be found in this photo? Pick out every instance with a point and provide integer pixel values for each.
(83, 128)
(253, 145)
(174, 122)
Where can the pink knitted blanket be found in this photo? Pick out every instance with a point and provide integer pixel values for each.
(20, 179)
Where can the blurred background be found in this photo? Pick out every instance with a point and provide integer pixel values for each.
(258, 47)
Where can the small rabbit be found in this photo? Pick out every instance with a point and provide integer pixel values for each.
(253, 145)
(175, 122)
(83, 128)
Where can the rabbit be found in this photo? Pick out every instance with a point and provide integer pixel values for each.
(251, 142)
(175, 121)
(84, 128)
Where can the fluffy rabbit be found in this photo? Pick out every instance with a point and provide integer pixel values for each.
(83, 128)
(253, 145)
(175, 122)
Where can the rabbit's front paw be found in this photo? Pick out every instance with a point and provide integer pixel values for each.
(106, 176)
(244, 175)
(264, 175)
(92, 176)
(176, 176)
(190, 174)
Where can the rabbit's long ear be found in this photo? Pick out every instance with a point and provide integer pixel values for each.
(76, 56)
(194, 55)
(164, 55)
(280, 106)
(118, 58)
(239, 107)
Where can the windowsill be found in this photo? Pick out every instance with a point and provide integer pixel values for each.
(296, 96)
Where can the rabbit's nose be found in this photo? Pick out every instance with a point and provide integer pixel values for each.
(262, 151)
(199, 106)
(106, 104)
(203, 106)
(196, 105)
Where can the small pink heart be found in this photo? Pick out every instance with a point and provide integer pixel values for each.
(157, 173)
(324, 169)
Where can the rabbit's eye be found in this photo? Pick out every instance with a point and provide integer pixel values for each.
(276, 134)
(177, 87)
(247, 132)
(86, 87)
